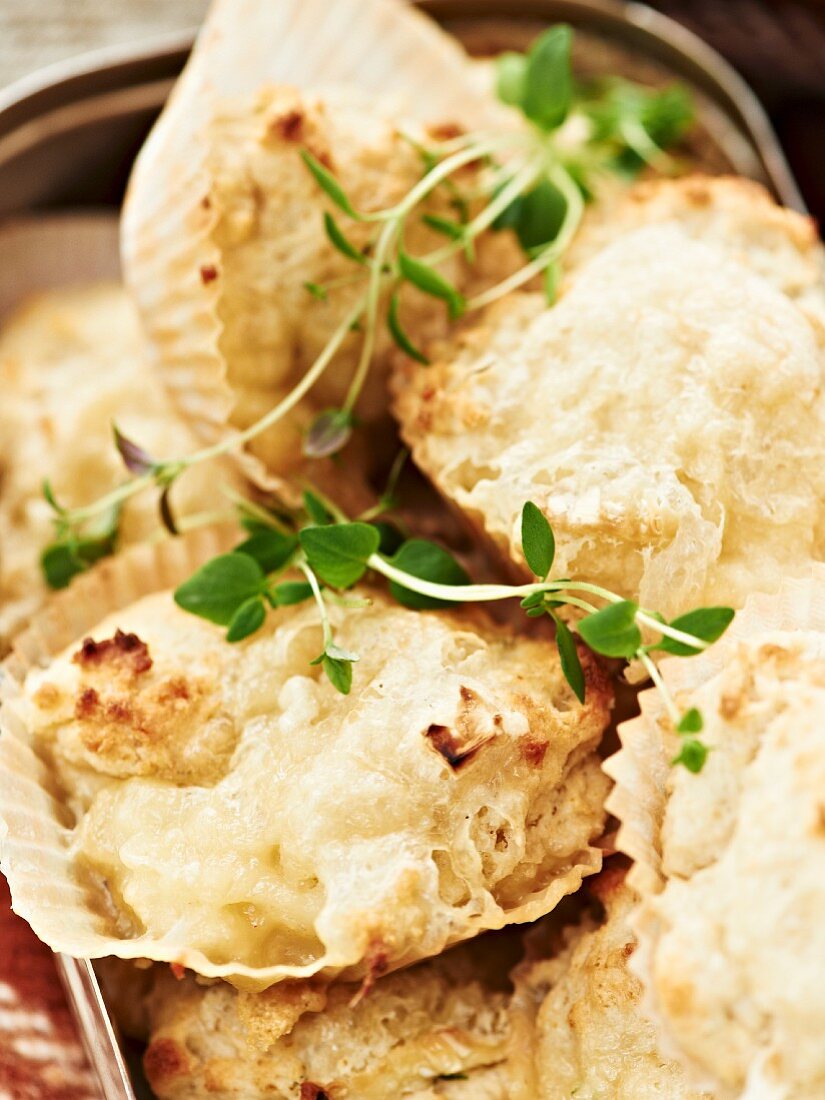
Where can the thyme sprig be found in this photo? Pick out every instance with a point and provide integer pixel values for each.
(333, 554)
(533, 180)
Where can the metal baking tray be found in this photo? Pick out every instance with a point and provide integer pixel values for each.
(69, 135)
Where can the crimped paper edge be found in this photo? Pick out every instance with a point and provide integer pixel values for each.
(640, 771)
(167, 235)
(35, 826)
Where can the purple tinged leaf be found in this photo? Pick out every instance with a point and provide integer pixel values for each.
(328, 433)
(135, 458)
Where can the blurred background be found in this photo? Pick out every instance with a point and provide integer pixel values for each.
(778, 45)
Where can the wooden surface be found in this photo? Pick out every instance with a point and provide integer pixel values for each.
(40, 1056)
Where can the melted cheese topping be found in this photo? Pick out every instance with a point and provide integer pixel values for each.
(233, 802)
(737, 942)
(267, 217)
(667, 415)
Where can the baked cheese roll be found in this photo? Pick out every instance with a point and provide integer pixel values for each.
(234, 813)
(733, 945)
(71, 363)
(438, 1029)
(581, 1028)
(738, 215)
(266, 218)
(667, 415)
(223, 228)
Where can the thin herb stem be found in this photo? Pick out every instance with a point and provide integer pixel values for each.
(572, 217)
(319, 600)
(385, 242)
(516, 184)
(574, 601)
(644, 619)
(664, 691)
(238, 439)
(110, 500)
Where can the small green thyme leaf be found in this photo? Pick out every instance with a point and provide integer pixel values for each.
(399, 335)
(548, 80)
(390, 538)
(511, 78)
(217, 590)
(339, 673)
(62, 561)
(691, 722)
(571, 665)
(536, 599)
(612, 631)
(271, 549)
(706, 623)
(329, 184)
(51, 499)
(431, 282)
(338, 553)
(315, 508)
(339, 241)
(289, 593)
(537, 541)
(247, 619)
(316, 290)
(448, 228)
(536, 217)
(692, 755)
(429, 562)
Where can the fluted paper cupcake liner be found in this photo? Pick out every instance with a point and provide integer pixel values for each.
(641, 767)
(382, 48)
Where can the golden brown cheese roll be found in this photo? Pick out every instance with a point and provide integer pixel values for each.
(261, 243)
(438, 1029)
(224, 225)
(581, 1030)
(667, 415)
(71, 363)
(234, 813)
(732, 938)
(735, 214)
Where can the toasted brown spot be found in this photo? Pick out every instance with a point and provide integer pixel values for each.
(729, 705)
(209, 274)
(445, 131)
(174, 688)
(444, 741)
(124, 650)
(309, 1091)
(533, 750)
(87, 703)
(164, 1059)
(290, 125)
